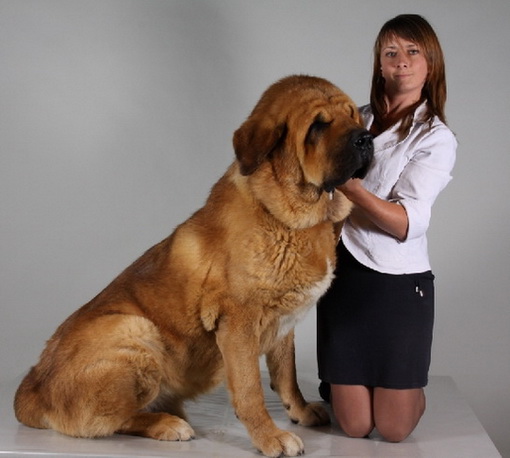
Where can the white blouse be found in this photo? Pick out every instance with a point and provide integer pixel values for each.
(411, 172)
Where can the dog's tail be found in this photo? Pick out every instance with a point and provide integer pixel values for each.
(28, 406)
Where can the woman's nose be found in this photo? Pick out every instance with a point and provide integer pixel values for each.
(403, 62)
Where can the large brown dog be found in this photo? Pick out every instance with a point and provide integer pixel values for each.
(226, 287)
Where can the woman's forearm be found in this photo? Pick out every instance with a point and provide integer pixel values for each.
(389, 216)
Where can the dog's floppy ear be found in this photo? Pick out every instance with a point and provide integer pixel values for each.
(254, 141)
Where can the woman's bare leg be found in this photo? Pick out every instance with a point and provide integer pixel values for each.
(395, 413)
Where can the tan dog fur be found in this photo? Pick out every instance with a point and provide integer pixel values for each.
(227, 286)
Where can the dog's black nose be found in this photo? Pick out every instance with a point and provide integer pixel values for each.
(362, 146)
(363, 140)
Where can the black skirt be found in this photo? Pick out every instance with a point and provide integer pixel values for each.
(375, 329)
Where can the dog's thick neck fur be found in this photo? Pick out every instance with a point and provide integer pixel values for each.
(297, 205)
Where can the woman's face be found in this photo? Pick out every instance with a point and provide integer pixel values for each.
(404, 68)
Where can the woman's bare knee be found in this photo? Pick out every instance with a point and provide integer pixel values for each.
(394, 432)
(397, 412)
(352, 407)
(356, 429)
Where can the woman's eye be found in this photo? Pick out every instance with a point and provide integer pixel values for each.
(414, 51)
(391, 54)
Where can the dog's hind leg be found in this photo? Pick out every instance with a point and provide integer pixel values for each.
(100, 382)
(162, 419)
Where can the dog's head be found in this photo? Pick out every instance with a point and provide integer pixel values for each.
(301, 141)
(311, 120)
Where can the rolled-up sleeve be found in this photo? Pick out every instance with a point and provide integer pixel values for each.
(424, 177)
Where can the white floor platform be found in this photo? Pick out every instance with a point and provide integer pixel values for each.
(449, 428)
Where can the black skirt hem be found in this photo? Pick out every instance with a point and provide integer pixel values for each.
(369, 384)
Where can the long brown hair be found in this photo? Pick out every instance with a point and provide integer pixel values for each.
(414, 28)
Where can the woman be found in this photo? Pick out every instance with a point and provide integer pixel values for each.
(375, 322)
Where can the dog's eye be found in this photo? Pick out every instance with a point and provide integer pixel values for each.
(316, 129)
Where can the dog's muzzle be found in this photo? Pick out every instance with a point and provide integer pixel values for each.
(361, 144)
(355, 157)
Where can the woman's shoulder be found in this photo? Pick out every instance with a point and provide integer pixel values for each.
(433, 123)
(439, 129)
(435, 143)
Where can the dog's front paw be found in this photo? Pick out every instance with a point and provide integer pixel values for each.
(312, 415)
(283, 443)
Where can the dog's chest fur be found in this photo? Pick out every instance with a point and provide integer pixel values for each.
(287, 271)
(315, 291)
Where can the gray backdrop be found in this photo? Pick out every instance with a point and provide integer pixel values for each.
(116, 117)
